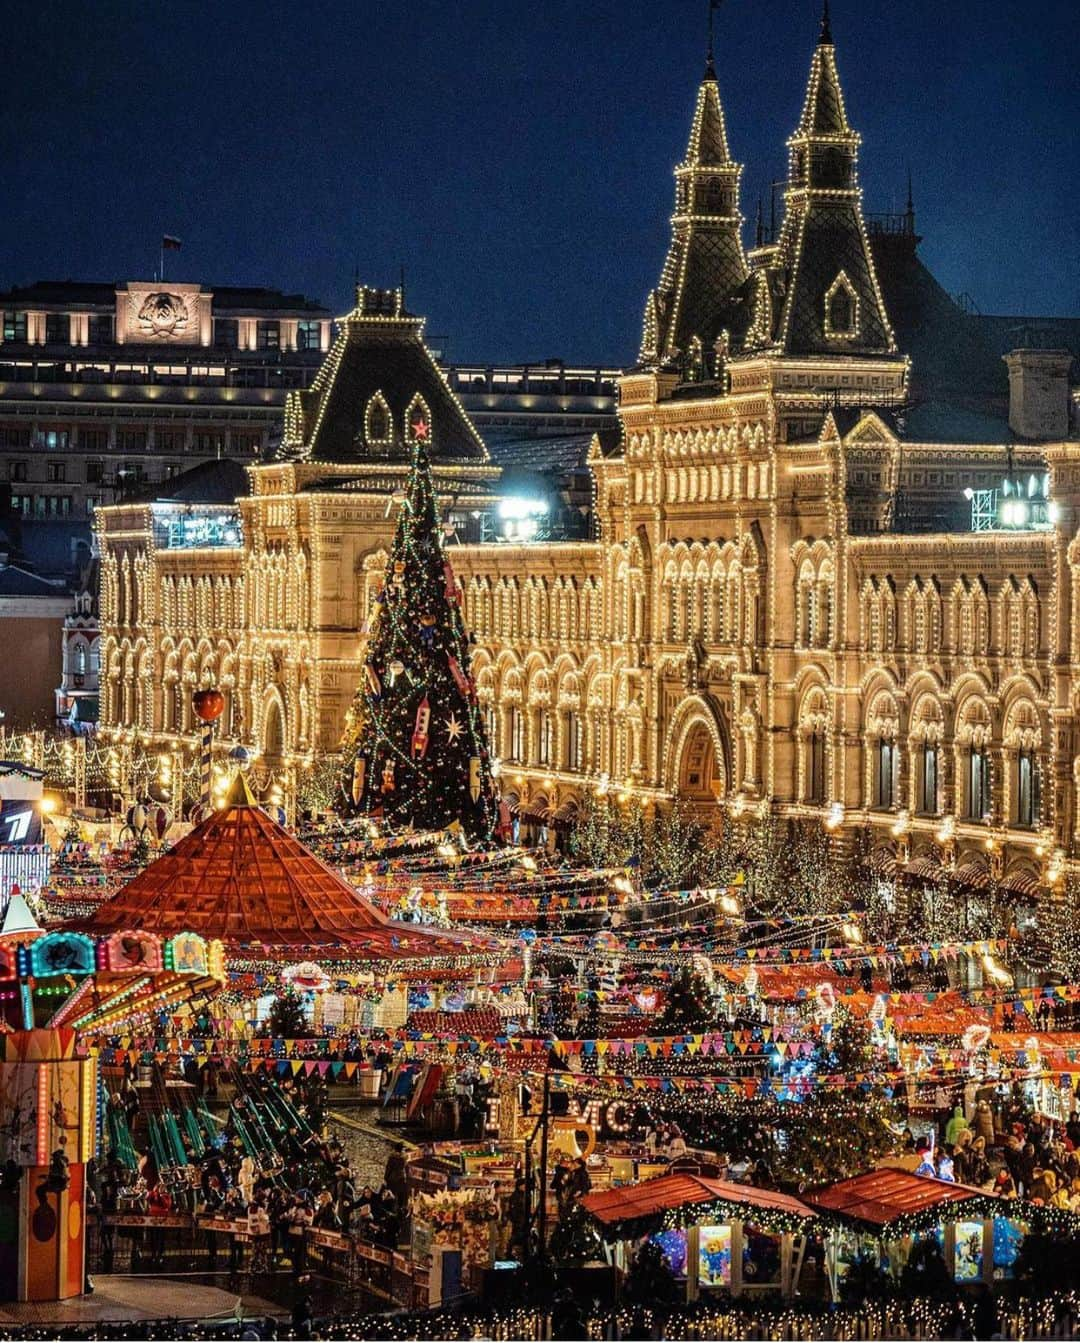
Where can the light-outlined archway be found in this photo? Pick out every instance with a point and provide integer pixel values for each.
(697, 754)
(273, 725)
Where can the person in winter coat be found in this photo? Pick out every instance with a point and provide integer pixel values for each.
(956, 1125)
(984, 1122)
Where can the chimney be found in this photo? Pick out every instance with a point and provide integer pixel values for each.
(1039, 393)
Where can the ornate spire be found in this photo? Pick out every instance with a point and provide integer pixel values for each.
(705, 262)
(831, 300)
(825, 36)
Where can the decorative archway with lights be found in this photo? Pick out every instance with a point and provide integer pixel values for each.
(697, 753)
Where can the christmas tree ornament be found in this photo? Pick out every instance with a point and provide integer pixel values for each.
(374, 684)
(451, 581)
(474, 778)
(427, 629)
(420, 730)
(388, 784)
(463, 682)
(359, 769)
(454, 729)
(395, 669)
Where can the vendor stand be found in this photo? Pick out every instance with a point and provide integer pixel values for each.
(715, 1235)
(884, 1212)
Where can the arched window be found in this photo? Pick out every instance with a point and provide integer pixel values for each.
(572, 740)
(888, 766)
(928, 779)
(977, 791)
(841, 309)
(378, 425)
(543, 737)
(815, 767)
(1028, 789)
(517, 734)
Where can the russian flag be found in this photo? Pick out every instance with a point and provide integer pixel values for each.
(170, 244)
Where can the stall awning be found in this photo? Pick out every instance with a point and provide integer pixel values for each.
(883, 862)
(974, 874)
(1022, 883)
(630, 1205)
(883, 1196)
(924, 868)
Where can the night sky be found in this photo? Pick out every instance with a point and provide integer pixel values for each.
(516, 159)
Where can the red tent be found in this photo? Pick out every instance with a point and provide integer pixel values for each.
(243, 879)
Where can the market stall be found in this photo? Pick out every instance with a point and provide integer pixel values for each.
(715, 1235)
(883, 1213)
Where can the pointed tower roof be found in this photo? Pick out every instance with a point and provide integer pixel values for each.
(823, 295)
(708, 145)
(705, 264)
(18, 921)
(823, 111)
(358, 407)
(243, 879)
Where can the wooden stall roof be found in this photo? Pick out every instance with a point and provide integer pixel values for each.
(630, 1203)
(245, 880)
(882, 1196)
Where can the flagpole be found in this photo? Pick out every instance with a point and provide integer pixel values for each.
(161, 269)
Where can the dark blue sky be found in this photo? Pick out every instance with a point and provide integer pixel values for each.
(516, 158)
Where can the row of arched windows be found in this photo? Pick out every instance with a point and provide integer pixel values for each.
(968, 621)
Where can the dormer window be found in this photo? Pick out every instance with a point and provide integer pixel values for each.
(841, 309)
(418, 421)
(378, 422)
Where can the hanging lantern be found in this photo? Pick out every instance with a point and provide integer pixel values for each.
(209, 704)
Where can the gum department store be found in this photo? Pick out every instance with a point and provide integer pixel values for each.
(833, 573)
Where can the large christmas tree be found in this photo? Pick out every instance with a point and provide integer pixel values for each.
(415, 747)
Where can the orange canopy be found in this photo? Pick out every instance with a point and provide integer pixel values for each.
(631, 1202)
(881, 1196)
(243, 879)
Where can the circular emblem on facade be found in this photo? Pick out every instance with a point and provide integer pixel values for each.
(163, 314)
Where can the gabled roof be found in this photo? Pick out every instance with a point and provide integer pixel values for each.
(378, 360)
(243, 879)
(627, 1204)
(881, 1196)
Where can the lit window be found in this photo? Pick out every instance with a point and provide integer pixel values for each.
(309, 335)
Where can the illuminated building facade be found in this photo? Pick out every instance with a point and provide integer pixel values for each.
(809, 589)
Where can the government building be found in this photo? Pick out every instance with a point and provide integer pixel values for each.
(828, 572)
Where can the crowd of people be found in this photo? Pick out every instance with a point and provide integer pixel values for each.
(305, 1180)
(1000, 1145)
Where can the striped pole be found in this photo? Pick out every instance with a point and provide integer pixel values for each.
(204, 767)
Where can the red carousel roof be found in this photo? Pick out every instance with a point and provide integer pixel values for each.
(242, 878)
